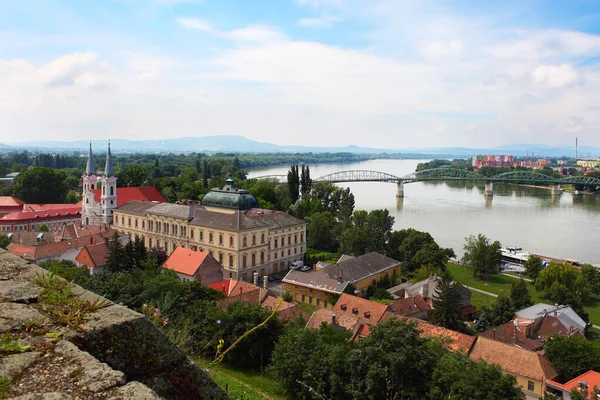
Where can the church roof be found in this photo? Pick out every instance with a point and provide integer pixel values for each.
(108, 167)
(128, 194)
(90, 168)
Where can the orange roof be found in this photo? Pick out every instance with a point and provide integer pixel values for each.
(592, 378)
(66, 212)
(346, 321)
(409, 305)
(185, 261)
(127, 194)
(44, 207)
(513, 359)
(223, 286)
(369, 311)
(9, 201)
(98, 253)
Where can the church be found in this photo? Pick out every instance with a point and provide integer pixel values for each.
(101, 197)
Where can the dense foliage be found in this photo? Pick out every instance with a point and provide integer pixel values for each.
(481, 256)
(571, 356)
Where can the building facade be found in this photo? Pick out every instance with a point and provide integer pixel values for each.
(94, 212)
(227, 224)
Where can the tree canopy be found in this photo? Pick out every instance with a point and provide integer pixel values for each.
(41, 185)
(481, 256)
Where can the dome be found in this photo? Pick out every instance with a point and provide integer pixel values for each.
(230, 197)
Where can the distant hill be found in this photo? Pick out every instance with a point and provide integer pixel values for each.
(240, 144)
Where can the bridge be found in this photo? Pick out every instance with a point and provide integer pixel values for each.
(450, 174)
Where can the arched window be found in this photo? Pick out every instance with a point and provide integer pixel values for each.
(253, 260)
(112, 191)
(295, 239)
(87, 201)
(262, 238)
(244, 261)
(231, 261)
(128, 221)
(92, 186)
(253, 240)
(262, 257)
(103, 189)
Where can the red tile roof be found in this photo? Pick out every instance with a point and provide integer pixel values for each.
(66, 212)
(45, 207)
(9, 201)
(346, 321)
(185, 261)
(513, 359)
(369, 311)
(592, 378)
(223, 286)
(127, 194)
(409, 306)
(98, 253)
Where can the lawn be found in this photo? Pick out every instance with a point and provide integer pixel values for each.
(306, 307)
(242, 384)
(500, 284)
(480, 299)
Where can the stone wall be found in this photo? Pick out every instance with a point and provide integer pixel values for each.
(111, 352)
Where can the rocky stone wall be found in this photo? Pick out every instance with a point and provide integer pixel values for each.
(84, 348)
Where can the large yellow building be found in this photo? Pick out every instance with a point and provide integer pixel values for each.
(228, 224)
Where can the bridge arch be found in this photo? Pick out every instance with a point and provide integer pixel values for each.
(441, 174)
(358, 176)
(523, 177)
(580, 180)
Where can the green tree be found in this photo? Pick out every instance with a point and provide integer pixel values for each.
(501, 312)
(293, 181)
(591, 275)
(305, 180)
(41, 185)
(533, 267)
(72, 197)
(571, 356)
(457, 377)
(319, 230)
(116, 258)
(481, 256)
(519, 295)
(4, 241)
(446, 306)
(139, 250)
(134, 175)
(562, 281)
(43, 228)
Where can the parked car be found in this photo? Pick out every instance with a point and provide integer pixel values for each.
(306, 268)
(271, 278)
(296, 267)
(276, 277)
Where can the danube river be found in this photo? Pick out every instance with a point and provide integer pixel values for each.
(562, 227)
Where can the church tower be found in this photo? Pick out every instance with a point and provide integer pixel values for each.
(109, 190)
(89, 215)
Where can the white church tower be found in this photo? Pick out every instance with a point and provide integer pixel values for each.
(109, 190)
(92, 211)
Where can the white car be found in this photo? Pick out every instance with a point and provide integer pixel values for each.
(306, 268)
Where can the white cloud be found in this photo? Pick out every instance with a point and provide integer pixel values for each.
(325, 21)
(249, 33)
(554, 76)
(436, 48)
(194, 23)
(148, 76)
(321, 3)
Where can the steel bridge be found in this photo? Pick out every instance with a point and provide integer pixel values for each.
(450, 174)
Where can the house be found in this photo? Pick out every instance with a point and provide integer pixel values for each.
(10, 204)
(529, 334)
(343, 322)
(194, 265)
(428, 290)
(414, 307)
(31, 238)
(588, 382)
(319, 287)
(565, 314)
(30, 221)
(369, 311)
(531, 369)
(253, 294)
(93, 256)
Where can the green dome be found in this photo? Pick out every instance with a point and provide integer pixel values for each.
(230, 197)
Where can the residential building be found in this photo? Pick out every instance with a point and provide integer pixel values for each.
(371, 312)
(590, 163)
(531, 369)
(93, 257)
(565, 314)
(427, 289)
(317, 287)
(244, 239)
(492, 161)
(194, 265)
(30, 221)
(529, 334)
(343, 322)
(414, 307)
(588, 382)
(10, 204)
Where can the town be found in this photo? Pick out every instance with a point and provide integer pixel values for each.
(321, 280)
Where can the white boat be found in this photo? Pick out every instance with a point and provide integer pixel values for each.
(514, 255)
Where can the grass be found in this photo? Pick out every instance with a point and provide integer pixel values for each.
(480, 299)
(306, 307)
(4, 387)
(9, 345)
(243, 384)
(500, 284)
(58, 300)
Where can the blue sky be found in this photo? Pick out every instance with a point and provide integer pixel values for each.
(377, 73)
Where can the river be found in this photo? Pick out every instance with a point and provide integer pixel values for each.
(562, 227)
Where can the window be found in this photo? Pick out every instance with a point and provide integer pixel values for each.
(231, 261)
(143, 225)
(530, 386)
(282, 254)
(201, 235)
(303, 299)
(275, 256)
(295, 250)
(262, 257)
(230, 241)
(253, 240)
(244, 242)
(253, 260)
(289, 252)
(318, 301)
(295, 239)
(302, 237)
(192, 233)
(112, 192)
(244, 261)
(103, 190)
(275, 243)
(128, 221)
(220, 239)
(325, 303)
(210, 237)
(221, 258)
(262, 238)
(174, 229)
(309, 299)
(136, 223)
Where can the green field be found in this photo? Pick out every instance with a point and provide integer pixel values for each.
(500, 284)
(241, 384)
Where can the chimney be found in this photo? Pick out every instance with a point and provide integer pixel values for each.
(265, 281)
(332, 319)
(255, 275)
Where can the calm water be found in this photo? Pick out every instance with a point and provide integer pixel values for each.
(563, 227)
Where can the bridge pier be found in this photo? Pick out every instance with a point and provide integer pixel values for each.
(556, 190)
(400, 189)
(489, 189)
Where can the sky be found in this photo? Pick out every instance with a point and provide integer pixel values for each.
(376, 73)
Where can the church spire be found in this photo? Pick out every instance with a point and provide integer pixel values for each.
(108, 167)
(90, 169)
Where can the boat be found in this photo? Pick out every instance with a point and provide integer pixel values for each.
(514, 255)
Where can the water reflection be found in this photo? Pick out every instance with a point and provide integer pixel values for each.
(488, 201)
(399, 203)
